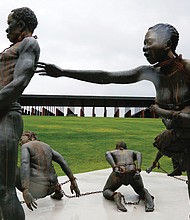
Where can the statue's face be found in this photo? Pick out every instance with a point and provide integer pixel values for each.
(24, 139)
(155, 46)
(13, 30)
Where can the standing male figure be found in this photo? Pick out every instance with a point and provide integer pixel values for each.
(17, 66)
(126, 166)
(36, 177)
(169, 73)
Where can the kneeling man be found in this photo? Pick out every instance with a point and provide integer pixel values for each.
(126, 172)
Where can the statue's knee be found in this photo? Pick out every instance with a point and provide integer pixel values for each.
(7, 194)
(3, 194)
(108, 194)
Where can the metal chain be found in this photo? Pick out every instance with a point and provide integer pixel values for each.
(89, 193)
(96, 192)
(72, 196)
(178, 178)
(82, 194)
(130, 203)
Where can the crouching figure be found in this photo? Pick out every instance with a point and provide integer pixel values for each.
(37, 177)
(126, 166)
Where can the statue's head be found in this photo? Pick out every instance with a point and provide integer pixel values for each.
(28, 136)
(26, 15)
(21, 23)
(160, 43)
(121, 145)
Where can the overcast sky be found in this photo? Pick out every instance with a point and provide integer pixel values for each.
(97, 34)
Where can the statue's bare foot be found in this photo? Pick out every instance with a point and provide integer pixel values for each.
(176, 172)
(57, 195)
(117, 199)
(149, 203)
(149, 169)
(149, 208)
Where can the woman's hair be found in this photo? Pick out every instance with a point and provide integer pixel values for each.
(167, 29)
(27, 15)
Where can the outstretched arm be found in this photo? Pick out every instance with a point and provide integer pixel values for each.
(57, 157)
(99, 76)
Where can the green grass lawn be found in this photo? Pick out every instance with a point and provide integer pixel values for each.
(83, 141)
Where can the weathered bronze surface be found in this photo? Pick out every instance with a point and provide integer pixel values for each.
(169, 73)
(17, 65)
(37, 177)
(126, 166)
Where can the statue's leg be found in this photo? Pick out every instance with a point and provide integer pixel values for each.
(174, 147)
(188, 169)
(113, 183)
(177, 168)
(117, 198)
(1, 217)
(11, 128)
(138, 186)
(149, 201)
(18, 180)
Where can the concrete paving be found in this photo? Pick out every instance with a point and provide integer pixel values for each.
(171, 200)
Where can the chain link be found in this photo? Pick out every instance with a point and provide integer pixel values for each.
(130, 203)
(178, 178)
(89, 193)
(96, 192)
(100, 191)
(82, 194)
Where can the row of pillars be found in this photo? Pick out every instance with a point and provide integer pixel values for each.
(143, 113)
(70, 111)
(55, 111)
(42, 112)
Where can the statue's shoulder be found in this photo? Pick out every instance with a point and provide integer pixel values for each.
(186, 63)
(29, 44)
(130, 151)
(186, 66)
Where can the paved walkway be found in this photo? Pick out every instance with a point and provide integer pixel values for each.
(171, 200)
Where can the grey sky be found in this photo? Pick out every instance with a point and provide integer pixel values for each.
(97, 34)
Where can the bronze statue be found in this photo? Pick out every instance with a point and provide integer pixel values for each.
(126, 166)
(36, 177)
(169, 73)
(17, 66)
(172, 119)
